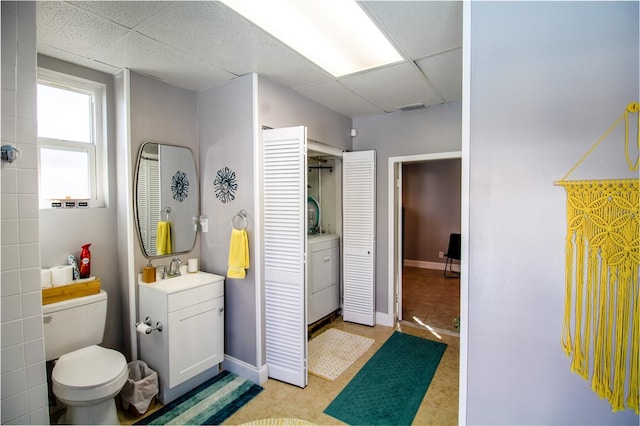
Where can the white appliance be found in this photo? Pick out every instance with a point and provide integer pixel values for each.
(86, 377)
(323, 279)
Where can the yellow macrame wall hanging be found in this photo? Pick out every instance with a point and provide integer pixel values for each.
(602, 266)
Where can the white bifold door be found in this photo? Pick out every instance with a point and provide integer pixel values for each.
(284, 192)
(284, 221)
(358, 236)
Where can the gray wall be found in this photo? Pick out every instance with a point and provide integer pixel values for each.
(281, 107)
(230, 116)
(547, 80)
(226, 123)
(24, 381)
(158, 112)
(431, 202)
(432, 130)
(63, 232)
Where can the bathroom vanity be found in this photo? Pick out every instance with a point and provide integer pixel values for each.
(190, 346)
(323, 279)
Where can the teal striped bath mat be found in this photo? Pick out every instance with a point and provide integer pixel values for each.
(209, 404)
(389, 388)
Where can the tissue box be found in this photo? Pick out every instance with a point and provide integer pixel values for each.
(70, 291)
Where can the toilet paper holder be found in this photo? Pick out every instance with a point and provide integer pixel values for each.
(149, 328)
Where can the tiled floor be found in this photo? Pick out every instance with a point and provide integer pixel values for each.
(440, 404)
(430, 299)
(279, 400)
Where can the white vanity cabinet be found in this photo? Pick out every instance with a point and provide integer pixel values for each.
(323, 278)
(190, 347)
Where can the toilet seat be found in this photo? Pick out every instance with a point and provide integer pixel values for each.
(89, 374)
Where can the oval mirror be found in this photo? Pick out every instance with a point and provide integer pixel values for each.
(167, 199)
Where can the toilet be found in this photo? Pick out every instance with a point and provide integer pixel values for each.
(86, 377)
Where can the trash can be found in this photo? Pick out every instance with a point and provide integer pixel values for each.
(140, 389)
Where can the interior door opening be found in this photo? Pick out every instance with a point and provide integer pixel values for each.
(424, 209)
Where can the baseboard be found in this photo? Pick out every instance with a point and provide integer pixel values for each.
(243, 369)
(430, 265)
(384, 319)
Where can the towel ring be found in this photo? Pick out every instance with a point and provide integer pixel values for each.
(164, 214)
(239, 221)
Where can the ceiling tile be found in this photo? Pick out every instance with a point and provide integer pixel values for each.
(126, 13)
(335, 96)
(147, 56)
(68, 28)
(200, 44)
(216, 35)
(445, 73)
(392, 87)
(78, 60)
(419, 28)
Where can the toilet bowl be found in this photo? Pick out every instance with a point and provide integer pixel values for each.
(87, 380)
(86, 377)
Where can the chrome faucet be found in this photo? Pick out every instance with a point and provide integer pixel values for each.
(174, 267)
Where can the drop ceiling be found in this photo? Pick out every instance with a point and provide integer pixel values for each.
(199, 45)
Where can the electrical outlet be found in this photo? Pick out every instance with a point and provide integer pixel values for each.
(441, 255)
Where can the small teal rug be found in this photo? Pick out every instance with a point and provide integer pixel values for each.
(389, 388)
(209, 404)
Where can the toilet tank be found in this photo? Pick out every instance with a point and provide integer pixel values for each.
(73, 324)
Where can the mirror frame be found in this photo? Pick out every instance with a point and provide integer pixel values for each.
(135, 200)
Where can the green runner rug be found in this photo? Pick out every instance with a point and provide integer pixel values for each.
(388, 390)
(208, 404)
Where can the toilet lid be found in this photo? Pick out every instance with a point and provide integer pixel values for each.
(88, 367)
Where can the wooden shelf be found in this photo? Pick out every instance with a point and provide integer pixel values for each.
(70, 291)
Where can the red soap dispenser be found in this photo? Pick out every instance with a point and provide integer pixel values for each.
(85, 261)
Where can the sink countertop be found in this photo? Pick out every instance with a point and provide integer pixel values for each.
(183, 282)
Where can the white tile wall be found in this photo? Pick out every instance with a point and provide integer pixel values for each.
(23, 372)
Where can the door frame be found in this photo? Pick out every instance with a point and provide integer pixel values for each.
(394, 216)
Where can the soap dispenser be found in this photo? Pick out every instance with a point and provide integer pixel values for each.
(149, 273)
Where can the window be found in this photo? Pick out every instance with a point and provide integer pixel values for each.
(71, 140)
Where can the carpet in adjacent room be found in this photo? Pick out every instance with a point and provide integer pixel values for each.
(388, 390)
(209, 404)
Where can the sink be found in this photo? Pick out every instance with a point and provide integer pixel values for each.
(183, 282)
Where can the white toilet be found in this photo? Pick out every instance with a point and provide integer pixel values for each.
(86, 377)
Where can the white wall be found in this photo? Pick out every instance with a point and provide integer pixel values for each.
(23, 374)
(547, 79)
(427, 131)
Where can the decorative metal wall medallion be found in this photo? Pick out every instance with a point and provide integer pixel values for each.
(225, 185)
(180, 186)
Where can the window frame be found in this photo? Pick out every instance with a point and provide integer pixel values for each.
(96, 148)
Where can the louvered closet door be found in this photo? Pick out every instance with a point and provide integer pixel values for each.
(285, 216)
(358, 236)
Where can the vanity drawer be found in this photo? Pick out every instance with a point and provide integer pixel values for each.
(182, 299)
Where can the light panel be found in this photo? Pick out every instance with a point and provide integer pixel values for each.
(337, 35)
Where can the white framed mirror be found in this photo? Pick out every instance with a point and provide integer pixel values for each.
(167, 199)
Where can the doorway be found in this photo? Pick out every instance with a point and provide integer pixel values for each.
(425, 271)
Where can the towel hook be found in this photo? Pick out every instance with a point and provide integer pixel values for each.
(239, 221)
(164, 214)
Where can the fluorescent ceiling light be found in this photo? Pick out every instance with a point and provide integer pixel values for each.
(335, 34)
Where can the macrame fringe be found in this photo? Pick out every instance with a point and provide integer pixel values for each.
(602, 264)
